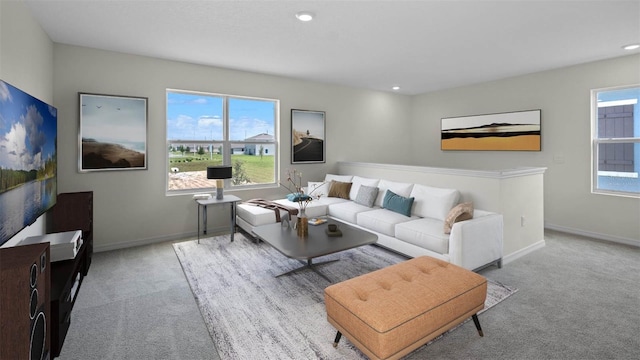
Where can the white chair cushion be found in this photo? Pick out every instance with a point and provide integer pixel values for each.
(381, 220)
(358, 181)
(347, 211)
(256, 215)
(402, 189)
(426, 233)
(433, 202)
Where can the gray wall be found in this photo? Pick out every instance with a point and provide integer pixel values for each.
(130, 207)
(564, 97)
(26, 62)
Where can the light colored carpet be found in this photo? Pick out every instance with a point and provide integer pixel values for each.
(250, 314)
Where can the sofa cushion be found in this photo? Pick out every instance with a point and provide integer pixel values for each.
(425, 233)
(400, 204)
(317, 189)
(341, 178)
(366, 195)
(358, 181)
(402, 189)
(381, 220)
(347, 211)
(255, 215)
(331, 200)
(433, 202)
(339, 189)
(314, 208)
(459, 212)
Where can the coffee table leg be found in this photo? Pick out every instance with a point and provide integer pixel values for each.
(310, 265)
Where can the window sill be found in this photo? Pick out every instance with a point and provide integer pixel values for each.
(631, 175)
(616, 193)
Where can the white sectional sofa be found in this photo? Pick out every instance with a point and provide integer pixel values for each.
(472, 243)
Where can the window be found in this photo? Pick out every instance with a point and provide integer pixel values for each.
(211, 129)
(616, 141)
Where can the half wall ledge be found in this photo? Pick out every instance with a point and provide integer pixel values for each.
(517, 194)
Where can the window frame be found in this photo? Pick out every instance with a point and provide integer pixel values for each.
(595, 142)
(226, 143)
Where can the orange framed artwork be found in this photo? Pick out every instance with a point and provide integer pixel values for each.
(512, 131)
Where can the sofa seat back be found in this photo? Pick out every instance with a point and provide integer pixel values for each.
(382, 220)
(433, 202)
(426, 233)
(399, 188)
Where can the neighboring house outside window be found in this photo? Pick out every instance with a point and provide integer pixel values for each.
(205, 129)
(616, 141)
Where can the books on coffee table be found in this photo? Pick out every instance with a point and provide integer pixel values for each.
(317, 221)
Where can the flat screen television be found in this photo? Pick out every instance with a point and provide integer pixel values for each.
(28, 159)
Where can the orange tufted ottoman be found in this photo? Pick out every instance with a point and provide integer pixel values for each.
(392, 311)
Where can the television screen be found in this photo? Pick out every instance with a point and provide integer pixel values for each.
(28, 163)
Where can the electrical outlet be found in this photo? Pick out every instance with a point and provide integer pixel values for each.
(522, 221)
(558, 159)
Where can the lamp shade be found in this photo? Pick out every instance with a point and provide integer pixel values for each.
(218, 172)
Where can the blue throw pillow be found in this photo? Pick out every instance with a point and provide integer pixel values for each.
(295, 197)
(396, 203)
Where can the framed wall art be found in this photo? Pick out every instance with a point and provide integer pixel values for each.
(112, 132)
(512, 131)
(307, 136)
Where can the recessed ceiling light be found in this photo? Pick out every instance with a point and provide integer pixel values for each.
(396, 88)
(304, 16)
(631, 46)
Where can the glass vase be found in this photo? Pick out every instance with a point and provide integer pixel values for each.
(302, 224)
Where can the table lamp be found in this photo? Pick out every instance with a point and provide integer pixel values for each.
(219, 173)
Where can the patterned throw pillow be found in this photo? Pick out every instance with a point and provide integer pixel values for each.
(459, 212)
(366, 195)
(339, 189)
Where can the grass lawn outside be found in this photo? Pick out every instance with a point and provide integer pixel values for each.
(254, 169)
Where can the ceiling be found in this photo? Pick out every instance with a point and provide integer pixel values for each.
(420, 46)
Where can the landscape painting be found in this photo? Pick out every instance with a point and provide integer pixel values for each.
(307, 131)
(513, 131)
(113, 132)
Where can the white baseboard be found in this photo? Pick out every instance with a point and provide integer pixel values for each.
(522, 252)
(159, 239)
(612, 238)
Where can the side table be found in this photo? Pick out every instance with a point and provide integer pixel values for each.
(227, 199)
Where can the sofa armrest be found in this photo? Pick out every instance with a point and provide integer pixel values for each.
(476, 242)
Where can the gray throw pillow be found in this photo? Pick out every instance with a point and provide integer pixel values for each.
(366, 195)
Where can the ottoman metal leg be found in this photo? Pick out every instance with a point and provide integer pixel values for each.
(338, 336)
(477, 322)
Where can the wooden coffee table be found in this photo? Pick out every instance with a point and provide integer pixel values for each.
(316, 244)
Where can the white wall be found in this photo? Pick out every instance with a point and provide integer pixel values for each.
(563, 95)
(26, 62)
(130, 207)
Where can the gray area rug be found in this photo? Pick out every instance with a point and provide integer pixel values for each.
(250, 314)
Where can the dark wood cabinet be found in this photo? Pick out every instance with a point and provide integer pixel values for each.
(73, 211)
